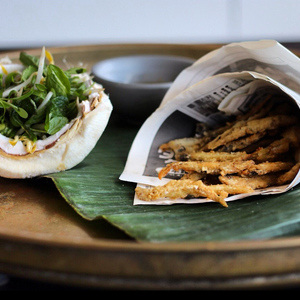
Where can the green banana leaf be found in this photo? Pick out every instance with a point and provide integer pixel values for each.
(94, 191)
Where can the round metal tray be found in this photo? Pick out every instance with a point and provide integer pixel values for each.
(43, 238)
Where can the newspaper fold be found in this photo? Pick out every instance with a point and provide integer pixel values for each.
(220, 84)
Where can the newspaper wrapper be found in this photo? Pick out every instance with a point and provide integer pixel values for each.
(218, 86)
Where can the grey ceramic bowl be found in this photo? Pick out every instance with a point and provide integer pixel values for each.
(137, 84)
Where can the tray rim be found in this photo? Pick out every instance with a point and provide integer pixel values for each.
(46, 239)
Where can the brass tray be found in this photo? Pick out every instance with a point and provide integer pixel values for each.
(43, 238)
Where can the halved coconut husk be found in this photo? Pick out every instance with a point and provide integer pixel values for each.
(67, 150)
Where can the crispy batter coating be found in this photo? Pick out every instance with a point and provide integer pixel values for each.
(181, 189)
(266, 167)
(292, 134)
(257, 150)
(255, 182)
(272, 151)
(175, 189)
(288, 176)
(207, 167)
(182, 147)
(244, 128)
(217, 156)
(243, 142)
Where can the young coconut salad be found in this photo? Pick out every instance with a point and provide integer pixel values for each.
(38, 100)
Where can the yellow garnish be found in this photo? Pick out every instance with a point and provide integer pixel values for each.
(30, 145)
(49, 57)
(14, 141)
(3, 69)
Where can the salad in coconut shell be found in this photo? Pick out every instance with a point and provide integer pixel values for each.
(50, 119)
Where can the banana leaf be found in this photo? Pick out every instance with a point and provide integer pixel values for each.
(94, 191)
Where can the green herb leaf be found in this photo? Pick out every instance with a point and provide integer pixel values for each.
(24, 96)
(75, 70)
(28, 71)
(21, 112)
(55, 124)
(57, 110)
(17, 122)
(29, 60)
(57, 80)
(12, 78)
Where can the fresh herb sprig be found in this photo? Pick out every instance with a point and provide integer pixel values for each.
(34, 108)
